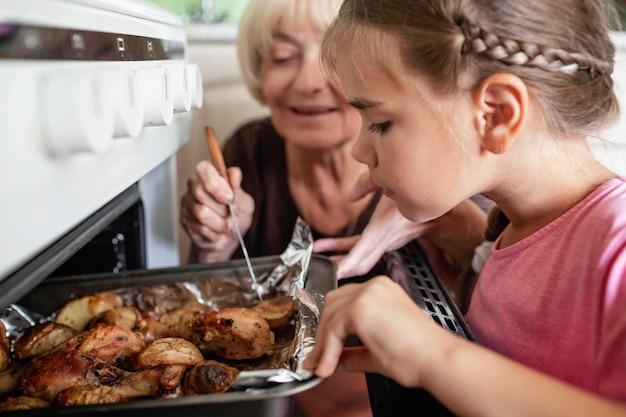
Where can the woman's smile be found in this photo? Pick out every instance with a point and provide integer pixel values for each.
(313, 110)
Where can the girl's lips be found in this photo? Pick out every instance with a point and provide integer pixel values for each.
(375, 185)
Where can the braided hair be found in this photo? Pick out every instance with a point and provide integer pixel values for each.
(520, 53)
(561, 49)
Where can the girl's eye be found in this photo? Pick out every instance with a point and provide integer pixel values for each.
(379, 128)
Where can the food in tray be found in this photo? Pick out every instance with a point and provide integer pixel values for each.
(5, 348)
(167, 351)
(124, 317)
(232, 333)
(9, 381)
(22, 403)
(42, 338)
(161, 381)
(77, 313)
(111, 347)
(88, 358)
(277, 310)
(209, 377)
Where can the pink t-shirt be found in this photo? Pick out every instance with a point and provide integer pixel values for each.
(556, 301)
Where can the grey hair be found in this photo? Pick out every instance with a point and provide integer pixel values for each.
(260, 21)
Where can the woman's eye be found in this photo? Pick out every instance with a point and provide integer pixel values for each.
(281, 60)
(379, 128)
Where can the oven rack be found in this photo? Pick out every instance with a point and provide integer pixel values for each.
(409, 266)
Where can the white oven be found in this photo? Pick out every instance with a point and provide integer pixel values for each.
(95, 100)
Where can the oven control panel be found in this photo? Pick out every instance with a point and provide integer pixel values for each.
(95, 95)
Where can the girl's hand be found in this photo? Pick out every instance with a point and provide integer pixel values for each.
(398, 337)
(205, 215)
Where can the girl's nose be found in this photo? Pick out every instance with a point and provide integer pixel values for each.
(363, 152)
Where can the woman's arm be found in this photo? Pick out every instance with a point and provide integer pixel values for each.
(448, 240)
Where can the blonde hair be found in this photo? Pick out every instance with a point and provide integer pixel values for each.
(259, 22)
(561, 49)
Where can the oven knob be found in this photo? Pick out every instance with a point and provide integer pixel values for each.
(197, 89)
(77, 112)
(155, 85)
(127, 102)
(181, 87)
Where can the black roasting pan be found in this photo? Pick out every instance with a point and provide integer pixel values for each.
(275, 401)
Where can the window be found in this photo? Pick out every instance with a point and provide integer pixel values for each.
(205, 11)
(621, 8)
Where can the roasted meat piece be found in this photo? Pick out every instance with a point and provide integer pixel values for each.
(158, 382)
(50, 374)
(124, 317)
(160, 299)
(41, 339)
(161, 381)
(87, 358)
(106, 343)
(151, 330)
(232, 333)
(22, 403)
(277, 309)
(5, 348)
(209, 377)
(179, 322)
(88, 394)
(168, 351)
(9, 381)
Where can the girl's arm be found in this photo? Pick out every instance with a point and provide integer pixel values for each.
(474, 381)
(404, 344)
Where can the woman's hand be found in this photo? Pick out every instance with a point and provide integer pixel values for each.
(449, 240)
(205, 215)
(387, 230)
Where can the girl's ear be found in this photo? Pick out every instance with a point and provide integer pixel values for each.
(501, 103)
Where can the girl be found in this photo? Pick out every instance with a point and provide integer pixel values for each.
(297, 162)
(459, 97)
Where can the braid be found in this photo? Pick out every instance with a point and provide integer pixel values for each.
(512, 52)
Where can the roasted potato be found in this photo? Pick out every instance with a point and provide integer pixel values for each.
(77, 313)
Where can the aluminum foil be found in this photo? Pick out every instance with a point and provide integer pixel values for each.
(290, 277)
(293, 345)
